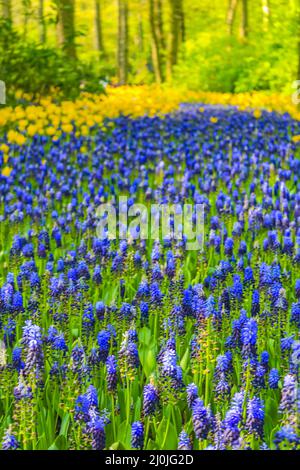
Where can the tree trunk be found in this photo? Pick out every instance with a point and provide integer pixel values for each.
(182, 22)
(6, 10)
(160, 24)
(98, 27)
(66, 26)
(244, 24)
(42, 23)
(231, 14)
(298, 71)
(265, 5)
(140, 33)
(174, 35)
(123, 42)
(156, 39)
(26, 14)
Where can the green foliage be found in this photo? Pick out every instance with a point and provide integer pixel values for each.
(227, 65)
(210, 58)
(39, 70)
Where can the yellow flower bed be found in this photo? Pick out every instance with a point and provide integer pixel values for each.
(49, 118)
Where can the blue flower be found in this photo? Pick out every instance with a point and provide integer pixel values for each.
(255, 307)
(100, 310)
(32, 341)
(22, 391)
(228, 246)
(17, 362)
(144, 308)
(231, 423)
(96, 427)
(184, 441)
(297, 288)
(295, 313)
(249, 338)
(255, 417)
(92, 396)
(97, 276)
(150, 399)
(274, 378)
(137, 435)
(264, 359)
(201, 419)
(88, 320)
(111, 368)
(286, 434)
(143, 290)
(286, 343)
(156, 295)
(192, 394)
(9, 441)
(288, 395)
(10, 332)
(103, 340)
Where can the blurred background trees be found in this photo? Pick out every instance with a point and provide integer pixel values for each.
(6, 9)
(66, 27)
(216, 45)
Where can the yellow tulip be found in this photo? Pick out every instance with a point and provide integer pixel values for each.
(6, 171)
(31, 130)
(46, 116)
(257, 113)
(84, 130)
(50, 131)
(4, 148)
(20, 139)
(67, 128)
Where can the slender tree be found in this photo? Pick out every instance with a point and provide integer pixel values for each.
(265, 5)
(140, 32)
(182, 22)
(42, 22)
(6, 10)
(122, 41)
(175, 34)
(66, 26)
(160, 24)
(298, 47)
(298, 72)
(98, 27)
(244, 23)
(231, 14)
(157, 40)
(26, 15)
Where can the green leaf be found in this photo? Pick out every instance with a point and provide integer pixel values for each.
(65, 425)
(145, 335)
(166, 438)
(117, 446)
(185, 360)
(271, 409)
(148, 361)
(137, 409)
(171, 440)
(124, 434)
(151, 445)
(60, 443)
